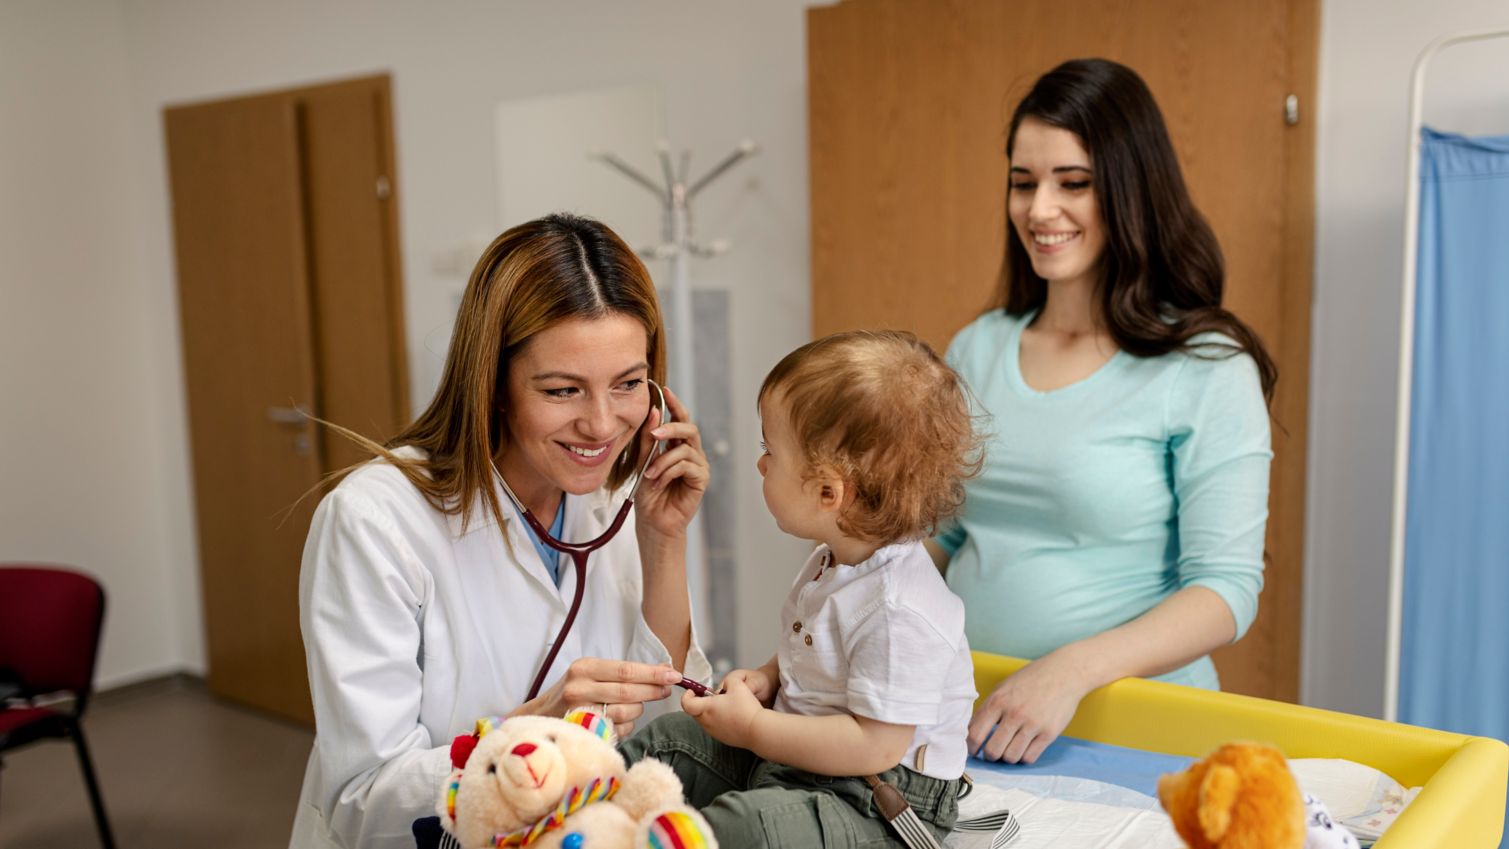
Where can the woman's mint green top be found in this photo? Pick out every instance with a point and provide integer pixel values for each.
(1101, 499)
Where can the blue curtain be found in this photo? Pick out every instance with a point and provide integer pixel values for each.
(1454, 669)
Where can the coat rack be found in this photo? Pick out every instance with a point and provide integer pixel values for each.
(675, 192)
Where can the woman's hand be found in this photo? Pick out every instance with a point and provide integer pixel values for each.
(729, 716)
(1028, 710)
(757, 681)
(675, 482)
(619, 687)
(1034, 706)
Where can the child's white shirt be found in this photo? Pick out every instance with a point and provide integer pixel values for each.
(882, 639)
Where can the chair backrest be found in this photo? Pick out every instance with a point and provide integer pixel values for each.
(50, 627)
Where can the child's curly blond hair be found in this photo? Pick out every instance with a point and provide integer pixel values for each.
(882, 411)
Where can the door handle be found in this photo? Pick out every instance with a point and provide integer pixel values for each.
(287, 415)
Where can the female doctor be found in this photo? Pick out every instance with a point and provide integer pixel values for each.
(425, 601)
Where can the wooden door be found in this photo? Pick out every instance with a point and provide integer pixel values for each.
(908, 104)
(244, 307)
(362, 382)
(290, 302)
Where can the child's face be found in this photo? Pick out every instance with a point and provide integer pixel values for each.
(793, 500)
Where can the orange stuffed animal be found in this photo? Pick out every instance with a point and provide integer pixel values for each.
(1243, 796)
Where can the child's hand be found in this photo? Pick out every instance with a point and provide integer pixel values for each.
(729, 716)
(758, 682)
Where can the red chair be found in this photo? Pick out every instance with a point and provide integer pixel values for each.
(49, 634)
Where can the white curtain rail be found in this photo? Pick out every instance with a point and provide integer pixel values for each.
(1407, 362)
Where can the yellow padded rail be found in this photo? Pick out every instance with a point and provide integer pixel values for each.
(1464, 778)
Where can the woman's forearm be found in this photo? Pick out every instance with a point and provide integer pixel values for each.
(841, 744)
(1182, 628)
(665, 606)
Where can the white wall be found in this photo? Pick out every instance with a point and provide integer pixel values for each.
(89, 473)
(1367, 51)
(96, 467)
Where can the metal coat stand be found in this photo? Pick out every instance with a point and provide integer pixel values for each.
(675, 194)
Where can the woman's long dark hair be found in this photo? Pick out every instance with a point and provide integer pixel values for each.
(1162, 274)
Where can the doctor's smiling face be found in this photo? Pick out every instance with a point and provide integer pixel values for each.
(576, 396)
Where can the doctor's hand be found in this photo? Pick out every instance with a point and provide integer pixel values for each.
(728, 716)
(620, 685)
(1027, 711)
(675, 482)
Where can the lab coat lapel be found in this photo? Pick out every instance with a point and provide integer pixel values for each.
(523, 553)
(511, 582)
(519, 549)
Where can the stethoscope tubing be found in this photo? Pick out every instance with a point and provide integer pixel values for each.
(579, 551)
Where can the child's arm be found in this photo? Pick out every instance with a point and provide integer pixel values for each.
(841, 744)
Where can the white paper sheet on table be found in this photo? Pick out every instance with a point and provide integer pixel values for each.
(1064, 824)
(1067, 812)
(1068, 788)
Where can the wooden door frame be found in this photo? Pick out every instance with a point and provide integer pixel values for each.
(1291, 401)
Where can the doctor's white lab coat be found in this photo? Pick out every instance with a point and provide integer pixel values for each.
(413, 630)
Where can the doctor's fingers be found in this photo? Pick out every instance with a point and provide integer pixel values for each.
(680, 415)
(615, 693)
(623, 716)
(684, 433)
(687, 448)
(627, 712)
(590, 680)
(603, 670)
(691, 468)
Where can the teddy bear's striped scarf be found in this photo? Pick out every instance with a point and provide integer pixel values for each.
(575, 799)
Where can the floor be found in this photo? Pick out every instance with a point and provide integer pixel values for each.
(177, 767)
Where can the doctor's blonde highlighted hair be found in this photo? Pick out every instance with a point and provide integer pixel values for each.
(880, 410)
(531, 277)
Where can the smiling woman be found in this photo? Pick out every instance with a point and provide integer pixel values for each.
(425, 601)
(1117, 529)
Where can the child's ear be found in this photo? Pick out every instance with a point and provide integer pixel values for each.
(831, 493)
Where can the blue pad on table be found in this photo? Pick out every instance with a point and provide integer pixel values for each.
(1133, 769)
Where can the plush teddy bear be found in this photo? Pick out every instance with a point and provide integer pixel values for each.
(1243, 796)
(545, 783)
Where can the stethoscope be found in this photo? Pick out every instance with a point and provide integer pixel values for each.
(580, 550)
